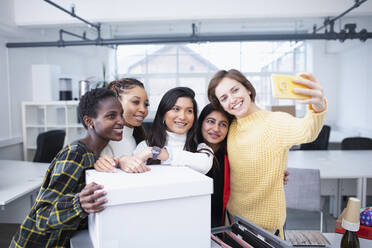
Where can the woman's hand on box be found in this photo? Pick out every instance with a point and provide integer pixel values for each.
(133, 164)
(92, 198)
(145, 154)
(106, 164)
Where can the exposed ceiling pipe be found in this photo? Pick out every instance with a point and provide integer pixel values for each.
(62, 31)
(72, 13)
(345, 34)
(331, 22)
(349, 32)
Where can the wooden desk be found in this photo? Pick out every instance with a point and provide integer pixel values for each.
(18, 181)
(337, 164)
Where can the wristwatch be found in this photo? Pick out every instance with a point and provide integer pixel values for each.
(155, 152)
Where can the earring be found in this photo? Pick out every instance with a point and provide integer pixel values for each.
(91, 126)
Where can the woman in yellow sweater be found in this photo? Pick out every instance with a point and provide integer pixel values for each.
(258, 143)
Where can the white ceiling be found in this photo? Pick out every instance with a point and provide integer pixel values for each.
(122, 18)
(38, 12)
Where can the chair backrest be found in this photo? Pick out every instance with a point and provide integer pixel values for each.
(303, 189)
(48, 144)
(321, 142)
(356, 143)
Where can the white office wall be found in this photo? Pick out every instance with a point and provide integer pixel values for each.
(355, 105)
(5, 129)
(75, 62)
(10, 147)
(15, 74)
(325, 67)
(6, 12)
(344, 69)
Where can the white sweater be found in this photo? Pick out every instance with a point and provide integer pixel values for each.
(124, 147)
(199, 161)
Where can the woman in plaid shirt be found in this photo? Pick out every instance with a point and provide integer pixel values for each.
(64, 201)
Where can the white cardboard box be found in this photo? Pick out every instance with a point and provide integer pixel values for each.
(164, 207)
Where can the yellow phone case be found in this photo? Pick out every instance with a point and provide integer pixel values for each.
(283, 85)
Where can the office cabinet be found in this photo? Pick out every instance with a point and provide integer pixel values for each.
(38, 117)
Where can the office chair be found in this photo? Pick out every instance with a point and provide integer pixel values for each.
(356, 143)
(303, 193)
(48, 144)
(353, 143)
(321, 142)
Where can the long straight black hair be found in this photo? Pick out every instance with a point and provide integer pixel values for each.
(157, 134)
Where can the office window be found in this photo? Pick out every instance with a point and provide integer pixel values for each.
(162, 67)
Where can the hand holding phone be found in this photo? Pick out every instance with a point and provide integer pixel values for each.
(283, 85)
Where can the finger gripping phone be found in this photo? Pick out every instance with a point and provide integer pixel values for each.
(283, 85)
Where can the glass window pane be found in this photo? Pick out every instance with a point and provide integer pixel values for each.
(193, 63)
(154, 102)
(162, 63)
(199, 85)
(158, 86)
(165, 66)
(132, 65)
(201, 100)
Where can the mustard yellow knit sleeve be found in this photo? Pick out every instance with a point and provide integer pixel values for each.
(290, 131)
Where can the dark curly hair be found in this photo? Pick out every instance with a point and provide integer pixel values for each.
(119, 86)
(89, 102)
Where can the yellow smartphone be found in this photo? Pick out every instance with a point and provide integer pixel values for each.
(283, 85)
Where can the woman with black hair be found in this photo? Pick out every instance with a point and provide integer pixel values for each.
(64, 200)
(135, 103)
(172, 137)
(134, 100)
(213, 126)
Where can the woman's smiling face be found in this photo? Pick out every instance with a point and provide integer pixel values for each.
(234, 97)
(109, 122)
(180, 118)
(135, 105)
(214, 128)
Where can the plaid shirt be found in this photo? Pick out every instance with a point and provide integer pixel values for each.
(57, 213)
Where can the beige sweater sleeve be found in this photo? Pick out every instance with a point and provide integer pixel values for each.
(289, 130)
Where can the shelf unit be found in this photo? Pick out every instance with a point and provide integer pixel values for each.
(38, 117)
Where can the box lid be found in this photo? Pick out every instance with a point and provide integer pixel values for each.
(161, 182)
